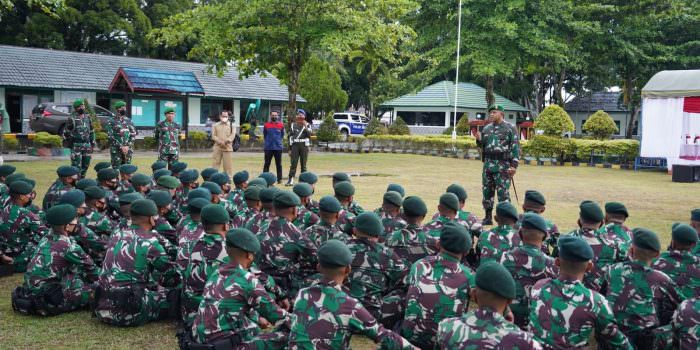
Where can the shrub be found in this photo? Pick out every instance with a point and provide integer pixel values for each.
(101, 139)
(44, 139)
(600, 125)
(10, 144)
(554, 121)
(549, 147)
(462, 125)
(328, 131)
(149, 142)
(579, 149)
(374, 127)
(399, 127)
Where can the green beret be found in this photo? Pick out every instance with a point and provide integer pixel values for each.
(21, 187)
(646, 239)
(212, 187)
(393, 197)
(189, 176)
(242, 239)
(396, 188)
(455, 238)
(684, 234)
(195, 206)
(695, 215)
(269, 178)
(338, 177)
(414, 206)
(334, 253)
(107, 174)
(214, 214)
(329, 204)
(143, 207)
(61, 214)
(128, 169)
(119, 104)
(344, 189)
(369, 224)
(303, 189)
(75, 198)
(590, 211)
(616, 208)
(6, 169)
(220, 179)
(158, 164)
(574, 249)
(82, 184)
(169, 182)
(95, 192)
(458, 191)
(129, 198)
(534, 221)
(140, 180)
(169, 110)
(178, 167)
(240, 177)
(101, 165)
(67, 170)
(13, 177)
(199, 192)
(535, 197)
(252, 193)
(78, 102)
(507, 210)
(161, 198)
(160, 173)
(258, 182)
(498, 107)
(493, 277)
(450, 201)
(207, 173)
(308, 177)
(285, 199)
(29, 181)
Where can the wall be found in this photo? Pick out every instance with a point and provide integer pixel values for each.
(72, 95)
(2, 96)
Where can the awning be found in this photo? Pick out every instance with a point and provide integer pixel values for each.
(155, 81)
(673, 83)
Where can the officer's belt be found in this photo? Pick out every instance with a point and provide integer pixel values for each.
(300, 140)
(496, 156)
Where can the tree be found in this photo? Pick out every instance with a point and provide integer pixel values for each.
(46, 6)
(600, 125)
(328, 131)
(278, 36)
(554, 121)
(320, 85)
(399, 127)
(374, 127)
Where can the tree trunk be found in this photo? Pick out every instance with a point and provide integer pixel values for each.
(628, 100)
(559, 93)
(490, 98)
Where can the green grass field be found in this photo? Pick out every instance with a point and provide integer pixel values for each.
(652, 199)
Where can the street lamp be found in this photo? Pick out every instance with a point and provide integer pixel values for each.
(459, 41)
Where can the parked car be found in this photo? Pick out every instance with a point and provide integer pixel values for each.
(52, 116)
(349, 124)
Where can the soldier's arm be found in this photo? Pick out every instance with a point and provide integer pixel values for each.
(68, 129)
(259, 299)
(93, 140)
(156, 133)
(163, 269)
(132, 132)
(514, 149)
(362, 322)
(606, 326)
(77, 256)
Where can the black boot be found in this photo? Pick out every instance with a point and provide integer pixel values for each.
(487, 220)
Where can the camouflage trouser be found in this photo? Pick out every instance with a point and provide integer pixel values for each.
(118, 158)
(21, 255)
(392, 309)
(76, 292)
(495, 180)
(265, 341)
(153, 305)
(80, 158)
(169, 158)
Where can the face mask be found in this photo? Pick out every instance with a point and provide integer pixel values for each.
(224, 120)
(80, 110)
(122, 111)
(274, 119)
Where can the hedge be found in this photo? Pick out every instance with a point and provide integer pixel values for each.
(416, 143)
(563, 149)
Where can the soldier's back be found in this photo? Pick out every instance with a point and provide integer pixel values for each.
(686, 325)
(683, 268)
(483, 329)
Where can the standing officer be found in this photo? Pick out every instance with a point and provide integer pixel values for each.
(299, 142)
(167, 133)
(222, 134)
(273, 133)
(80, 135)
(121, 133)
(500, 154)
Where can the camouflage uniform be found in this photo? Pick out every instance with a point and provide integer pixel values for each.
(483, 328)
(313, 206)
(124, 186)
(168, 236)
(244, 215)
(498, 240)
(391, 223)
(54, 193)
(684, 269)
(434, 228)
(311, 239)
(345, 218)
(438, 288)
(93, 245)
(606, 252)
(563, 313)
(206, 256)
(305, 218)
(641, 298)
(188, 233)
(620, 233)
(527, 264)
(279, 253)
(20, 232)
(468, 220)
(81, 136)
(168, 136)
(229, 296)
(121, 132)
(237, 198)
(355, 208)
(97, 222)
(376, 271)
(59, 261)
(411, 243)
(135, 262)
(550, 243)
(259, 220)
(686, 325)
(325, 317)
(501, 151)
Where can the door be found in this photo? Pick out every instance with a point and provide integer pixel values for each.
(28, 103)
(14, 110)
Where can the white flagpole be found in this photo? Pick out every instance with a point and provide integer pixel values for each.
(459, 42)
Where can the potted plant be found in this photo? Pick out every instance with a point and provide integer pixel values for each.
(46, 145)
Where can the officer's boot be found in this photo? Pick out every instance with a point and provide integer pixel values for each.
(487, 220)
(290, 182)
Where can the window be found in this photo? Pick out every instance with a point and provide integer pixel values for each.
(619, 130)
(423, 118)
(459, 116)
(340, 117)
(510, 116)
(208, 110)
(355, 118)
(143, 112)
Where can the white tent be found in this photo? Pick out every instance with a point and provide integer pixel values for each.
(671, 117)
